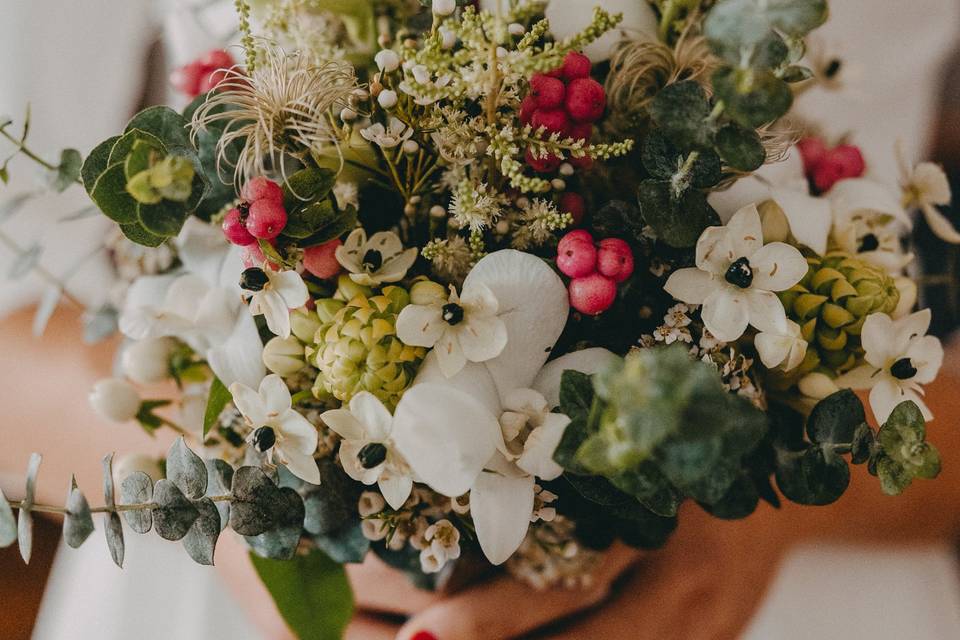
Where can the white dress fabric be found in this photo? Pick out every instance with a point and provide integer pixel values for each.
(891, 53)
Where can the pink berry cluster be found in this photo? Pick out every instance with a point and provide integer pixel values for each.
(203, 74)
(824, 167)
(261, 215)
(595, 269)
(565, 101)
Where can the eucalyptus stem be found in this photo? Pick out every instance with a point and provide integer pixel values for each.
(25, 150)
(40, 270)
(117, 508)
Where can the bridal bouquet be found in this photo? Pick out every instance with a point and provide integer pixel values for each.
(467, 284)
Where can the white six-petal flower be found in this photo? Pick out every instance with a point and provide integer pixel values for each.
(376, 260)
(460, 328)
(387, 137)
(736, 277)
(785, 350)
(900, 357)
(366, 451)
(282, 291)
(289, 438)
(925, 187)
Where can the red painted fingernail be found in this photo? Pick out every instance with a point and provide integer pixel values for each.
(424, 635)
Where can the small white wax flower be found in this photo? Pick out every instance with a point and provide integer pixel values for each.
(444, 7)
(817, 385)
(566, 169)
(387, 60)
(387, 137)
(387, 98)
(115, 399)
(374, 529)
(370, 504)
(558, 184)
(421, 74)
(148, 361)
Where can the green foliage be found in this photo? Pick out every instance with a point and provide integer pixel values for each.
(311, 592)
(678, 221)
(740, 148)
(752, 98)
(312, 214)
(680, 111)
(137, 488)
(67, 171)
(78, 521)
(218, 398)
(186, 470)
(221, 191)
(904, 452)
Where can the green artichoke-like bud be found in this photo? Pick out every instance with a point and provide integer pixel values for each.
(356, 347)
(831, 303)
(170, 178)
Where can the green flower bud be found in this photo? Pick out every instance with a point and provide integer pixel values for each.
(170, 178)
(304, 324)
(284, 356)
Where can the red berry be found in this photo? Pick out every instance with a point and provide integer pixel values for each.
(527, 106)
(217, 59)
(615, 259)
(825, 175)
(573, 237)
(235, 228)
(592, 294)
(555, 73)
(187, 78)
(577, 259)
(321, 260)
(584, 162)
(850, 160)
(553, 121)
(573, 204)
(210, 81)
(575, 65)
(266, 219)
(261, 188)
(548, 92)
(812, 151)
(585, 100)
(542, 165)
(581, 131)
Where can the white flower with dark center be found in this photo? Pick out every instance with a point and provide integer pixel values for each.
(900, 357)
(276, 429)
(387, 137)
(366, 452)
(926, 187)
(460, 328)
(736, 277)
(273, 294)
(376, 260)
(868, 222)
(781, 349)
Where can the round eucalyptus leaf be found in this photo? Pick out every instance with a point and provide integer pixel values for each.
(201, 540)
(280, 542)
(109, 192)
(812, 477)
(137, 488)
(164, 219)
(186, 470)
(78, 522)
(835, 419)
(219, 482)
(173, 514)
(8, 523)
(113, 529)
(108, 492)
(740, 147)
(752, 98)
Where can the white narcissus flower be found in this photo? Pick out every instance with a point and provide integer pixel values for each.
(925, 187)
(273, 294)
(451, 430)
(277, 429)
(387, 137)
(900, 357)
(781, 349)
(459, 328)
(736, 277)
(366, 452)
(376, 260)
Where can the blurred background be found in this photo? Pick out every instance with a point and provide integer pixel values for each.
(83, 77)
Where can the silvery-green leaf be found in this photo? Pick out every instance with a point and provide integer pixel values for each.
(280, 542)
(201, 540)
(347, 544)
(254, 497)
(186, 470)
(99, 324)
(67, 171)
(108, 493)
(48, 304)
(78, 522)
(8, 523)
(137, 488)
(25, 520)
(174, 514)
(219, 482)
(114, 531)
(25, 261)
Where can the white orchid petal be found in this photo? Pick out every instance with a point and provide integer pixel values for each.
(859, 378)
(449, 353)
(393, 269)
(773, 348)
(482, 338)
(445, 435)
(587, 361)
(183, 294)
(274, 310)
(777, 267)
(344, 424)
(249, 403)
(810, 218)
(745, 191)
(864, 197)
(291, 287)
(887, 394)
(926, 354)
(298, 433)
(301, 465)
(725, 314)
(136, 319)
(274, 394)
(395, 489)
(932, 183)
(533, 305)
(538, 450)
(238, 359)
(372, 414)
(713, 251)
(420, 325)
(474, 380)
(878, 339)
(350, 461)
(203, 250)
(501, 507)
(912, 326)
(479, 300)
(691, 285)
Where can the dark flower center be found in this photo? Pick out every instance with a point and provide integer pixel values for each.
(903, 369)
(452, 313)
(254, 279)
(264, 438)
(832, 68)
(372, 260)
(372, 455)
(869, 242)
(739, 273)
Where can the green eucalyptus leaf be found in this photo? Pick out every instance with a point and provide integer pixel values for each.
(740, 500)
(306, 187)
(904, 453)
(835, 419)
(863, 439)
(217, 400)
(678, 222)
(311, 592)
(333, 227)
(647, 484)
(307, 220)
(281, 540)
(219, 482)
(186, 470)
(201, 540)
(109, 192)
(8, 523)
(164, 124)
(812, 476)
(344, 545)
(67, 172)
(680, 110)
(96, 163)
(136, 233)
(576, 393)
(752, 98)
(163, 219)
(796, 73)
(25, 518)
(137, 488)
(257, 505)
(796, 17)
(740, 148)
(113, 529)
(567, 453)
(173, 514)
(78, 521)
